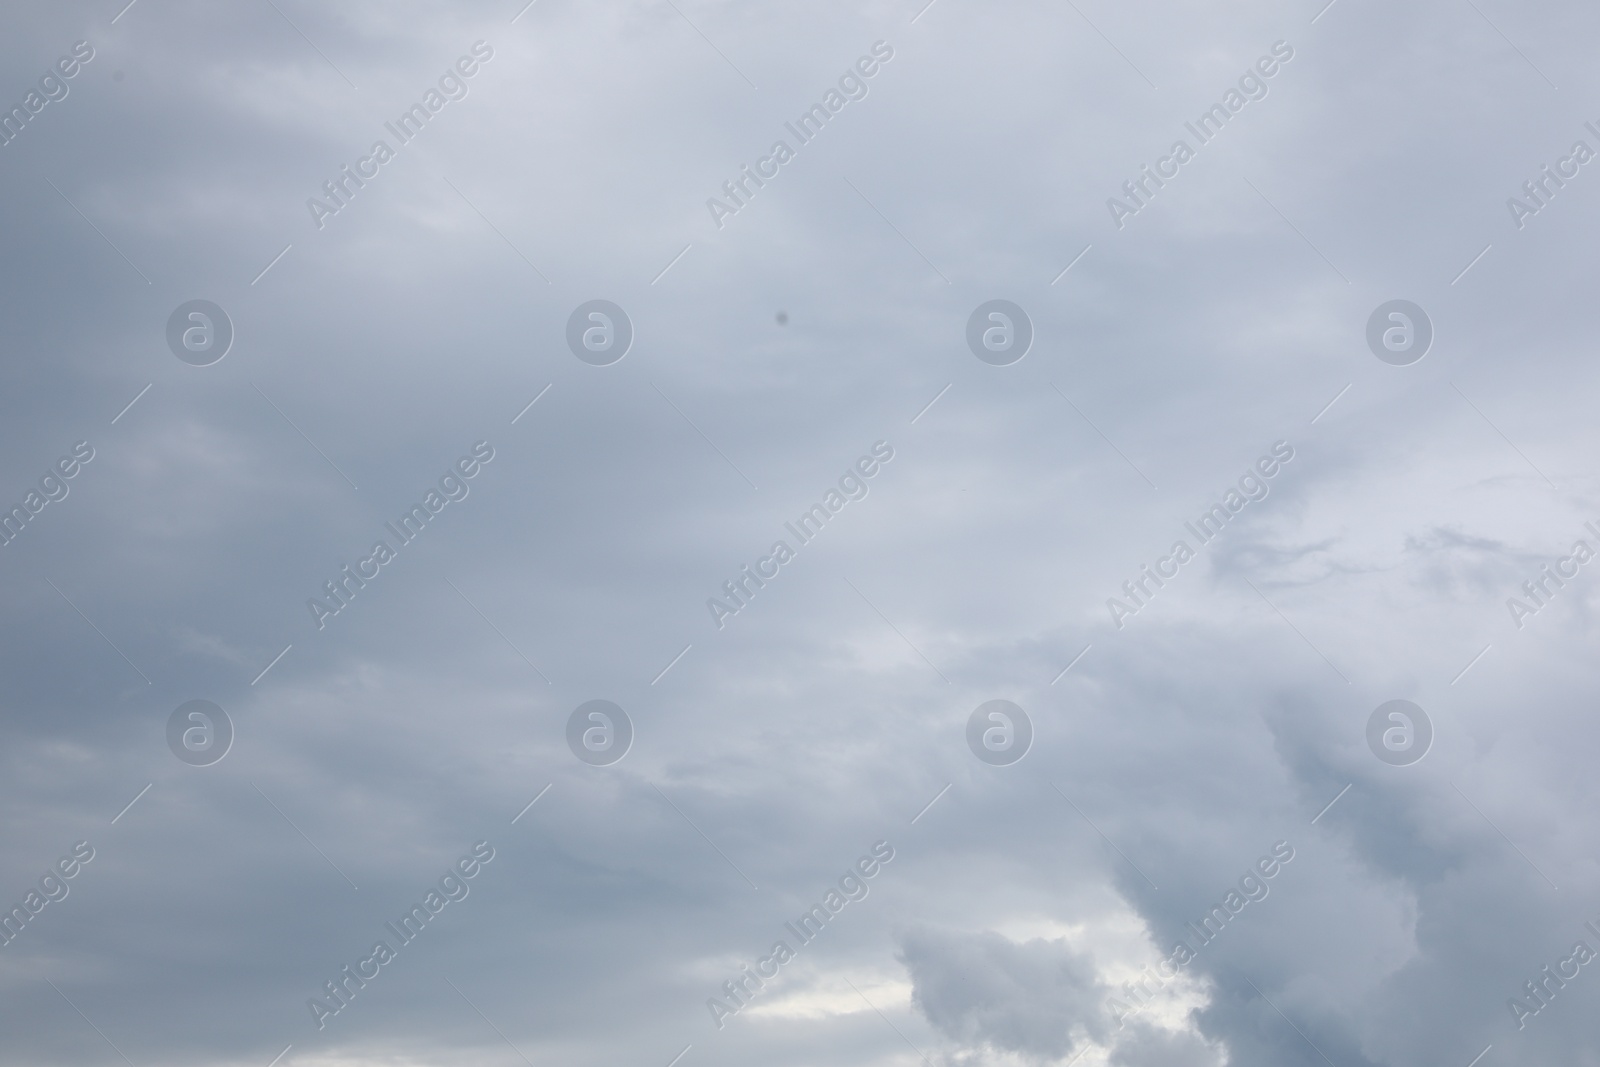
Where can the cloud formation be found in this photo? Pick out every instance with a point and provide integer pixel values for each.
(1146, 362)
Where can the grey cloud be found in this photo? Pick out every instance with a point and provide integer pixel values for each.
(982, 989)
(430, 311)
(1148, 1046)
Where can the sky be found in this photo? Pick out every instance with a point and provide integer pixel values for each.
(649, 533)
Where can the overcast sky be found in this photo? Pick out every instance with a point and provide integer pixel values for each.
(422, 332)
